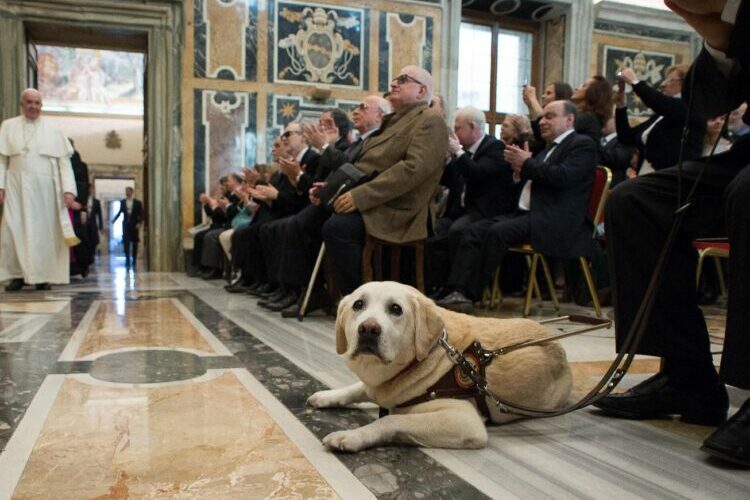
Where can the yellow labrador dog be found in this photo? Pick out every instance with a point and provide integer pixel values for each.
(388, 333)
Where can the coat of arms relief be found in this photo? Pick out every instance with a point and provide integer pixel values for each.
(318, 51)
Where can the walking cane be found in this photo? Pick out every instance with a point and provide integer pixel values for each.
(311, 284)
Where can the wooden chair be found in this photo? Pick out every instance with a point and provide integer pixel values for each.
(372, 259)
(599, 192)
(716, 248)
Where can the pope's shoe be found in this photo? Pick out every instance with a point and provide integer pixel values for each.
(731, 441)
(15, 285)
(657, 398)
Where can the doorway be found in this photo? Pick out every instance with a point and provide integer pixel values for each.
(96, 96)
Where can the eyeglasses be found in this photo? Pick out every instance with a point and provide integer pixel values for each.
(286, 134)
(363, 106)
(402, 79)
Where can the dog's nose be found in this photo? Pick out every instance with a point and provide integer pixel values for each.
(369, 327)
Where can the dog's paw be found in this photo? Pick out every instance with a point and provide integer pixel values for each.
(324, 399)
(350, 441)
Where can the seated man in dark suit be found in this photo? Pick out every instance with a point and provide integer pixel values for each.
(408, 153)
(481, 184)
(613, 154)
(302, 234)
(551, 211)
(639, 217)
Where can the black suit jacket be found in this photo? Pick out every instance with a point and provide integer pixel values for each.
(488, 180)
(129, 222)
(560, 193)
(295, 199)
(95, 216)
(616, 156)
(662, 149)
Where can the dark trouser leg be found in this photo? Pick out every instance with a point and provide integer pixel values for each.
(272, 243)
(468, 258)
(344, 236)
(735, 368)
(198, 247)
(504, 232)
(302, 243)
(239, 246)
(638, 219)
(440, 249)
(213, 255)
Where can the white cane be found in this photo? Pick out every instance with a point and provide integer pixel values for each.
(311, 284)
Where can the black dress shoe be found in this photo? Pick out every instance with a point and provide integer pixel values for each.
(212, 274)
(261, 288)
(440, 293)
(318, 300)
(15, 285)
(657, 398)
(731, 441)
(456, 301)
(274, 295)
(194, 272)
(43, 286)
(287, 300)
(236, 288)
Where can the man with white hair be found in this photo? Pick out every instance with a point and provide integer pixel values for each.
(408, 154)
(37, 187)
(481, 186)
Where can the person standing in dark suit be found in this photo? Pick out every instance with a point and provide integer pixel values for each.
(81, 256)
(658, 138)
(132, 217)
(481, 186)
(95, 222)
(613, 154)
(639, 217)
(551, 213)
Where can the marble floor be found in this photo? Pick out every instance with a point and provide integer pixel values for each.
(154, 385)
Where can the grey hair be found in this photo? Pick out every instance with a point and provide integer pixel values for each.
(472, 114)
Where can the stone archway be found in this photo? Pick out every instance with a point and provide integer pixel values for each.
(161, 21)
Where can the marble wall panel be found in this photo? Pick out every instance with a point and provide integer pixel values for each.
(224, 136)
(319, 44)
(404, 39)
(285, 109)
(225, 36)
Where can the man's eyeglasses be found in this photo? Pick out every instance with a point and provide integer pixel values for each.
(363, 106)
(402, 79)
(286, 134)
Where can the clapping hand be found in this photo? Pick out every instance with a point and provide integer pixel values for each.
(313, 193)
(517, 156)
(454, 146)
(291, 168)
(251, 175)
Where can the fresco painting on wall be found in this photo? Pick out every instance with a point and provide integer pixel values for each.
(91, 81)
(649, 66)
(225, 35)
(319, 44)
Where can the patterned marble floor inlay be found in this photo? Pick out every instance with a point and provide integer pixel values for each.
(165, 441)
(156, 385)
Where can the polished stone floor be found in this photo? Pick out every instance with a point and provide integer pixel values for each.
(149, 385)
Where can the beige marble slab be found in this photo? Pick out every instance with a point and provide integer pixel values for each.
(195, 440)
(46, 307)
(141, 324)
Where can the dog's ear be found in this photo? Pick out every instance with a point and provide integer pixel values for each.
(428, 325)
(342, 317)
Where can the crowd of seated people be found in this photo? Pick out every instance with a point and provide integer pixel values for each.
(532, 185)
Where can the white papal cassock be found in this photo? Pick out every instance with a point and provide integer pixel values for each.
(35, 172)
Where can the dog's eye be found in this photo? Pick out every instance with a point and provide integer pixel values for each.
(358, 305)
(396, 310)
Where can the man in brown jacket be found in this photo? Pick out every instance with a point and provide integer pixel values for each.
(408, 152)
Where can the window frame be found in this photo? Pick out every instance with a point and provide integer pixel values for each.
(497, 23)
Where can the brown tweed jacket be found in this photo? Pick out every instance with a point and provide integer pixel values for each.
(408, 153)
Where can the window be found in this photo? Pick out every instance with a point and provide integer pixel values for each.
(494, 63)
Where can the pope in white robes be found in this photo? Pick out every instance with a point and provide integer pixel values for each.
(37, 187)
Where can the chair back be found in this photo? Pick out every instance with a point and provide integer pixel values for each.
(599, 192)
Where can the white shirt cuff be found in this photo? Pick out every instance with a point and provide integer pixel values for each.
(724, 63)
(299, 176)
(729, 14)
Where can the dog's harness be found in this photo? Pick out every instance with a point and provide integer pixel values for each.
(467, 379)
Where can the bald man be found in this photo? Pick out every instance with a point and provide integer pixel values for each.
(37, 187)
(408, 154)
